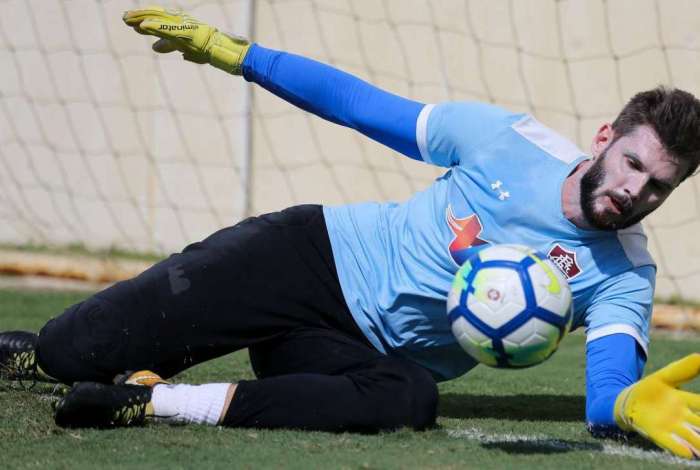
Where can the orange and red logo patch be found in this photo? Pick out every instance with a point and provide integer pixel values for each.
(466, 232)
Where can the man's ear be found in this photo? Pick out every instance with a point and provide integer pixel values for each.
(602, 139)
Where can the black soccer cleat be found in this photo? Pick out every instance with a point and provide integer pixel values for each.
(95, 405)
(18, 356)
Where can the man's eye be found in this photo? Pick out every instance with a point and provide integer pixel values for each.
(633, 163)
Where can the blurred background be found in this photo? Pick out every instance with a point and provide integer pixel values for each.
(109, 148)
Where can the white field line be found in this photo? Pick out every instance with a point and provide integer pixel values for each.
(474, 434)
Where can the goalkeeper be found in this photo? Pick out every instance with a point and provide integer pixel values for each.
(342, 308)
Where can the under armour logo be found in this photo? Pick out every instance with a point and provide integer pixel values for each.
(502, 193)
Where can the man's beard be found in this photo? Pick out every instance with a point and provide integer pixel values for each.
(590, 182)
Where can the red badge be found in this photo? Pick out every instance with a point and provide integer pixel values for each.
(566, 260)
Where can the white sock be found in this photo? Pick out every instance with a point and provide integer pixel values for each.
(183, 403)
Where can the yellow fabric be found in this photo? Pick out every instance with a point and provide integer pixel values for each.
(145, 378)
(197, 41)
(655, 408)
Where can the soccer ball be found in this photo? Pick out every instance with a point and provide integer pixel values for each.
(509, 306)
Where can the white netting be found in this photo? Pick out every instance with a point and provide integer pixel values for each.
(106, 144)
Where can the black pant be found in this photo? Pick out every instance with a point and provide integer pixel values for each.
(269, 284)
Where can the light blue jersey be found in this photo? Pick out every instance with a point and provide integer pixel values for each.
(396, 261)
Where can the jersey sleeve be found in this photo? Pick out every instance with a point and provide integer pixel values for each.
(613, 362)
(623, 304)
(336, 96)
(448, 133)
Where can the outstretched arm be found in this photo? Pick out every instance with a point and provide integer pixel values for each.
(323, 90)
(612, 363)
(336, 96)
(653, 407)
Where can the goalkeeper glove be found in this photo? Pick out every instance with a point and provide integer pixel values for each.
(655, 408)
(197, 41)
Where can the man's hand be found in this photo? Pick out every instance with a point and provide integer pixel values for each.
(197, 41)
(655, 408)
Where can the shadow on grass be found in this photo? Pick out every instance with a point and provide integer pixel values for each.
(522, 407)
(563, 408)
(541, 446)
(512, 444)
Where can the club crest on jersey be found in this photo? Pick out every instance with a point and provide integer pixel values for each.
(466, 232)
(566, 260)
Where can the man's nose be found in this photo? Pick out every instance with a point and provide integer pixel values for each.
(635, 185)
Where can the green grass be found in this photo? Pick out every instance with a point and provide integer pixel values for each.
(78, 249)
(488, 419)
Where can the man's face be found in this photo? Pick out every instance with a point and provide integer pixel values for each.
(630, 177)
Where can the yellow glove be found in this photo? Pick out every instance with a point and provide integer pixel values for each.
(197, 41)
(655, 408)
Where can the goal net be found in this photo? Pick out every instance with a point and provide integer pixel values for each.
(105, 144)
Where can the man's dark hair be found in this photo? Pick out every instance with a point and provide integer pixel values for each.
(675, 117)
